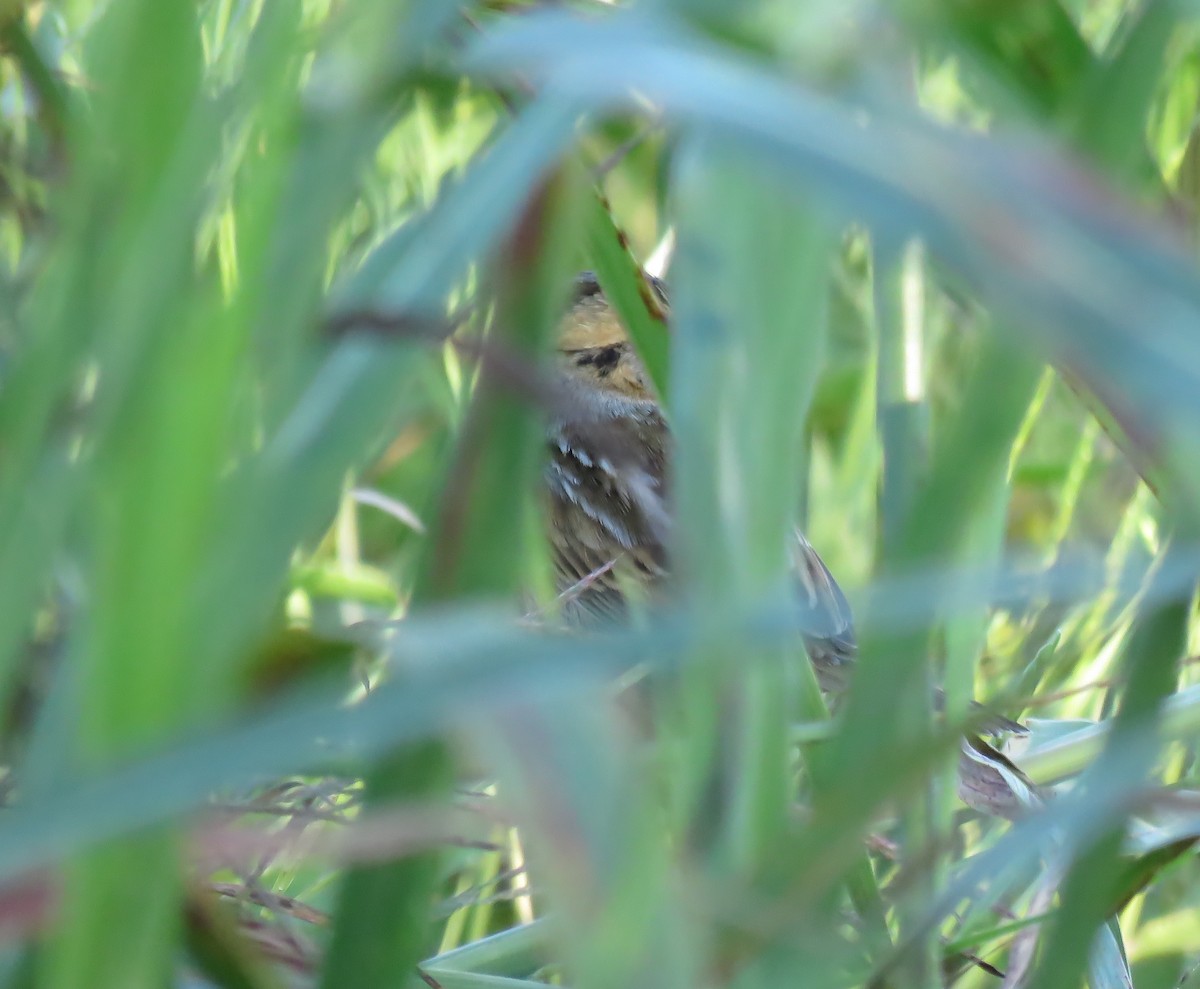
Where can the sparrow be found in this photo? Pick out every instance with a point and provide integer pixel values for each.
(607, 486)
(607, 490)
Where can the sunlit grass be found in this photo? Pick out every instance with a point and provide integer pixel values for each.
(266, 532)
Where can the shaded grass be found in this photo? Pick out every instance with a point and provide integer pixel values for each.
(197, 195)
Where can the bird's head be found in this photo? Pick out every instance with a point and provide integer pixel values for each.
(594, 347)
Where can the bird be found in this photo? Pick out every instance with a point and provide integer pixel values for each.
(607, 498)
(607, 484)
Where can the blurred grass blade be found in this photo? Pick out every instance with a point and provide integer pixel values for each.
(416, 267)
(510, 952)
(627, 287)
(383, 926)
(573, 777)
(1108, 968)
(1067, 263)
(255, 257)
(737, 427)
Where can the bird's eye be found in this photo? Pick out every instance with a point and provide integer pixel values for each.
(603, 359)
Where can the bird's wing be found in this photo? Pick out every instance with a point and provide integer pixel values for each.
(827, 613)
(608, 520)
(827, 625)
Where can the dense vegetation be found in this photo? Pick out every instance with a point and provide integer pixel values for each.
(276, 275)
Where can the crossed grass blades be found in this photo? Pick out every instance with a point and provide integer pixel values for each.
(932, 291)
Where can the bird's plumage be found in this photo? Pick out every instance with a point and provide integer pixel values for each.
(608, 510)
(607, 481)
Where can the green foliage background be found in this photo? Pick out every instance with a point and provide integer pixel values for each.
(268, 716)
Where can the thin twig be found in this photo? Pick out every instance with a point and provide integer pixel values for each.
(256, 894)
